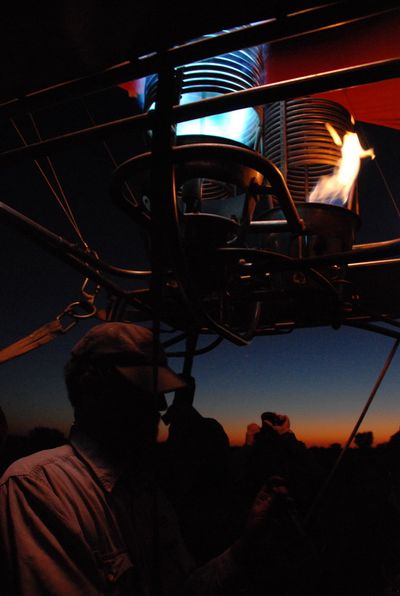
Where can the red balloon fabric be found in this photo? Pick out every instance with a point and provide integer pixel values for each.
(367, 41)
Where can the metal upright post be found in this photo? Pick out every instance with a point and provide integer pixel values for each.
(162, 189)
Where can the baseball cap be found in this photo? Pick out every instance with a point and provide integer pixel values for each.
(129, 349)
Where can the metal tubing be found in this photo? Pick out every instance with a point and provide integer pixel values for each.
(274, 225)
(373, 328)
(311, 84)
(307, 85)
(75, 255)
(364, 264)
(296, 25)
(191, 343)
(271, 261)
(60, 246)
(220, 153)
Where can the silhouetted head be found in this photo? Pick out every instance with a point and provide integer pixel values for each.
(251, 430)
(116, 380)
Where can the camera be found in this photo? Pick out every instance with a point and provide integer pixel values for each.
(272, 418)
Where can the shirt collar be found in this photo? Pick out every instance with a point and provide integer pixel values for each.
(106, 471)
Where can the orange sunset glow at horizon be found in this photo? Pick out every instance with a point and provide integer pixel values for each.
(320, 437)
(315, 434)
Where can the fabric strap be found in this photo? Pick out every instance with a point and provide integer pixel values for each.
(40, 337)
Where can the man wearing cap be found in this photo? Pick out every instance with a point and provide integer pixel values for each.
(88, 518)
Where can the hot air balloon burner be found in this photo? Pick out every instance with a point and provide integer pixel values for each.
(304, 139)
(329, 229)
(297, 140)
(211, 77)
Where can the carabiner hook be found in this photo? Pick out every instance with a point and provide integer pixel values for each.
(71, 310)
(88, 297)
(71, 324)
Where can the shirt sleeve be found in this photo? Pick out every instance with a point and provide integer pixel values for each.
(44, 552)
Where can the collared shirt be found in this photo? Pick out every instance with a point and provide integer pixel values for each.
(71, 525)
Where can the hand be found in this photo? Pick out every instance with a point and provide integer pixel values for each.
(281, 427)
(272, 520)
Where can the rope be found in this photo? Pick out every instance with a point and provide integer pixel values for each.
(108, 151)
(388, 189)
(332, 473)
(380, 172)
(61, 200)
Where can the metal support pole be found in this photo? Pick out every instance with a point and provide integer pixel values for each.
(307, 85)
(161, 195)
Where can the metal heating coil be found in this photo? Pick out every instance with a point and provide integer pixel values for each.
(298, 142)
(236, 71)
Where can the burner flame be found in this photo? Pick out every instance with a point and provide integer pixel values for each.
(335, 189)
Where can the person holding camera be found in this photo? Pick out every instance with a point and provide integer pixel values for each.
(89, 517)
(276, 451)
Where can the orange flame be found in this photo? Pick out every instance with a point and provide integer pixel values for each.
(335, 188)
